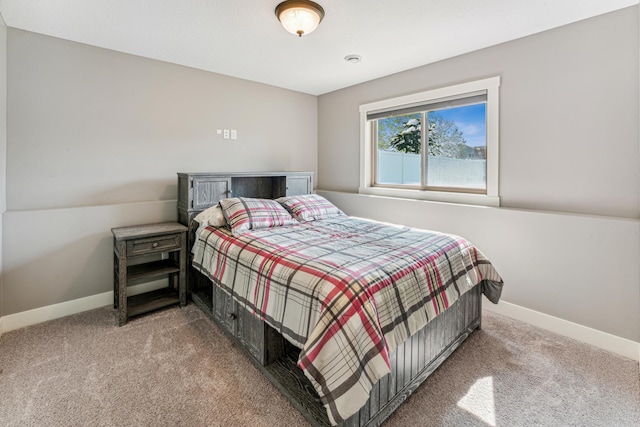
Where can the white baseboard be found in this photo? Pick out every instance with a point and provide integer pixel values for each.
(603, 340)
(55, 311)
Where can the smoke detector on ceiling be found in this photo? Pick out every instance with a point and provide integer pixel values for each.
(353, 59)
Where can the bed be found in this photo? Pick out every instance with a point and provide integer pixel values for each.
(346, 316)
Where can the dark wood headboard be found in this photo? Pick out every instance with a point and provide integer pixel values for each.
(199, 191)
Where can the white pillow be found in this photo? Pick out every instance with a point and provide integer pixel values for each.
(211, 216)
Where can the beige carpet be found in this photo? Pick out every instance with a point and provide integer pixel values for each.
(175, 368)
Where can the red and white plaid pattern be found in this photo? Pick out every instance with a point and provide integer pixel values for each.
(309, 207)
(346, 291)
(243, 214)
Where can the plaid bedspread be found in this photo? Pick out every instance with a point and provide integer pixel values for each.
(345, 290)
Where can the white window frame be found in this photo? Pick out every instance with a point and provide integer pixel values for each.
(491, 198)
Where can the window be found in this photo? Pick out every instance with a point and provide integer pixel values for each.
(437, 145)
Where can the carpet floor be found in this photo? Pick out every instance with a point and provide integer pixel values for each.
(176, 368)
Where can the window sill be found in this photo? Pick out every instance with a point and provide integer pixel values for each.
(436, 196)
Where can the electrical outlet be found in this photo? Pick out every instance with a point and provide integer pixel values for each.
(234, 134)
(226, 134)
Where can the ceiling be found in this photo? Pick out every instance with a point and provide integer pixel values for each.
(243, 38)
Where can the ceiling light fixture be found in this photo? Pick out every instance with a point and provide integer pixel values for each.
(299, 17)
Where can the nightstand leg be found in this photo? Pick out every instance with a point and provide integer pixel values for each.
(182, 279)
(116, 281)
(122, 284)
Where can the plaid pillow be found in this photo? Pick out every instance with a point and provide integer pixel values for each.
(243, 214)
(310, 207)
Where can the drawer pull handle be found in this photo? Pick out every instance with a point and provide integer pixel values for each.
(233, 316)
(155, 245)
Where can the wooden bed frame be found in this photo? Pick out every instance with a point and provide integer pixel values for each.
(412, 362)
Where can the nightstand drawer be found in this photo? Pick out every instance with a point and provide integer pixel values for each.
(153, 245)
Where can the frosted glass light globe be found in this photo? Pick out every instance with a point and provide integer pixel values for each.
(299, 17)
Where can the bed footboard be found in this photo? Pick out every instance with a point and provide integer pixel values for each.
(412, 362)
(418, 357)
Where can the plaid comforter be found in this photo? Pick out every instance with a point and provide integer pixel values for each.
(345, 290)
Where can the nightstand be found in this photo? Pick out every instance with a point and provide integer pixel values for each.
(146, 252)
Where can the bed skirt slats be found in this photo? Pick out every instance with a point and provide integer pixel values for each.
(418, 357)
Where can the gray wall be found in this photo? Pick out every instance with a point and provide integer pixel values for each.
(568, 116)
(568, 143)
(3, 141)
(95, 139)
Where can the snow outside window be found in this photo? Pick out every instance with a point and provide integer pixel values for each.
(437, 145)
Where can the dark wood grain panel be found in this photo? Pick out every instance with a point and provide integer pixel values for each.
(154, 245)
(293, 384)
(298, 184)
(152, 269)
(209, 191)
(400, 368)
(383, 385)
(422, 351)
(264, 187)
(225, 310)
(203, 298)
(150, 301)
(147, 230)
(374, 401)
